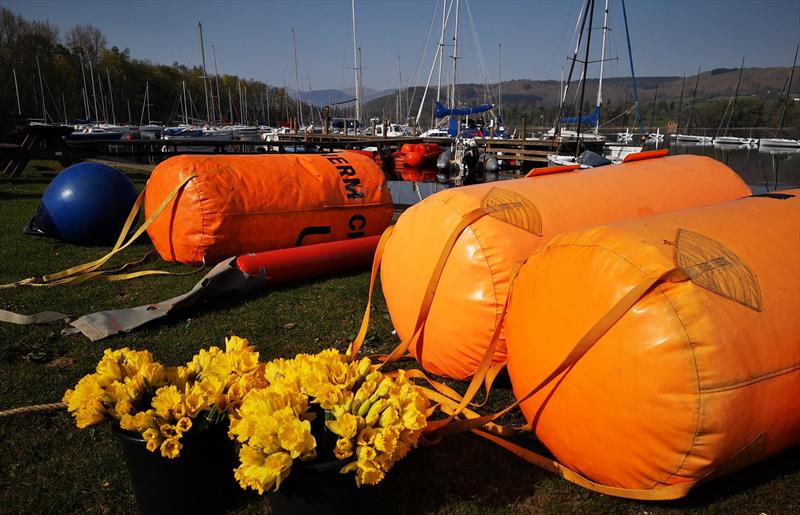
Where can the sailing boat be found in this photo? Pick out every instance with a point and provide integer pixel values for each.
(732, 140)
(614, 152)
(784, 143)
(692, 138)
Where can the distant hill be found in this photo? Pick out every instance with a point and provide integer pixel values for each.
(322, 97)
(535, 100)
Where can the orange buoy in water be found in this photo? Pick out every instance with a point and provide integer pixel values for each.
(688, 378)
(239, 204)
(421, 153)
(511, 219)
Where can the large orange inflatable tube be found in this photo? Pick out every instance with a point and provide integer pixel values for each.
(240, 204)
(475, 279)
(699, 377)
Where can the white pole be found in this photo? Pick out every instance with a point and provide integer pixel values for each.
(85, 92)
(218, 104)
(111, 96)
(41, 87)
(356, 65)
(205, 74)
(94, 93)
(602, 61)
(455, 56)
(16, 88)
(297, 80)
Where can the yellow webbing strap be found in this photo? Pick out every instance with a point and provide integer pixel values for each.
(88, 271)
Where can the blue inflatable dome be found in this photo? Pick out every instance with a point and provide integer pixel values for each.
(86, 203)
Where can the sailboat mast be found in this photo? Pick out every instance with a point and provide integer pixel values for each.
(399, 89)
(16, 88)
(633, 75)
(455, 56)
(694, 95)
(144, 104)
(149, 118)
(185, 105)
(680, 106)
(205, 74)
(356, 65)
(266, 88)
(582, 22)
(94, 93)
(602, 62)
(85, 92)
(653, 110)
(583, 82)
(788, 90)
(297, 80)
(41, 87)
(736, 93)
(732, 99)
(218, 103)
(111, 97)
(499, 81)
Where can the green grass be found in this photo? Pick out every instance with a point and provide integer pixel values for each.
(47, 465)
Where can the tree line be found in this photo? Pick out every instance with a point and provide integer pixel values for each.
(78, 77)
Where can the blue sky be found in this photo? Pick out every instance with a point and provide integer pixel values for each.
(253, 38)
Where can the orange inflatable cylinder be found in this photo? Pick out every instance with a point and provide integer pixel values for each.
(699, 377)
(287, 266)
(524, 214)
(240, 204)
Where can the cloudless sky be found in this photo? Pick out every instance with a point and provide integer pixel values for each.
(253, 39)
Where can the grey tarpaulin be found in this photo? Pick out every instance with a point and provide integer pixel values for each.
(223, 278)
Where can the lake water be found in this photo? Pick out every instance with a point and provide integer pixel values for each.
(763, 170)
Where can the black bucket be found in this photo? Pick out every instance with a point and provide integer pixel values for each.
(200, 480)
(317, 488)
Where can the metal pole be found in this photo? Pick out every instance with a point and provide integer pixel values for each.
(602, 62)
(85, 92)
(633, 75)
(111, 96)
(455, 57)
(356, 64)
(205, 85)
(216, 79)
(500, 80)
(94, 93)
(16, 88)
(583, 83)
(297, 80)
(41, 87)
(266, 87)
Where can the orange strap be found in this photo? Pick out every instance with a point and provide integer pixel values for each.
(430, 291)
(485, 427)
(578, 351)
(658, 493)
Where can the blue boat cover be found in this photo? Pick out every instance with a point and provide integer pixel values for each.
(442, 111)
(589, 119)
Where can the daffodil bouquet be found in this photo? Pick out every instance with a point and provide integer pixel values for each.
(162, 403)
(376, 418)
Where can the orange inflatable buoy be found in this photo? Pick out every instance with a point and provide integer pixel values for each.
(509, 220)
(238, 204)
(665, 381)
